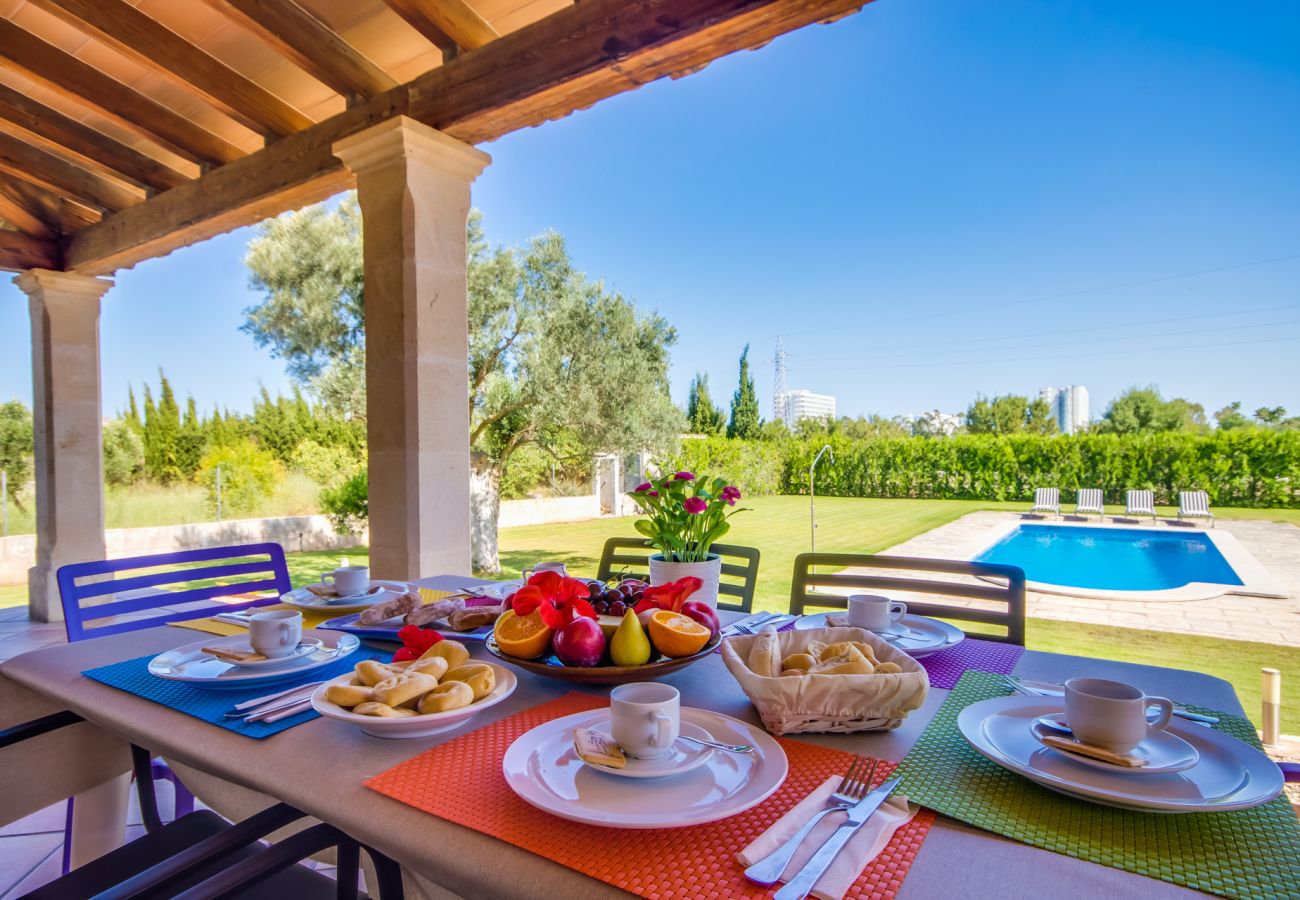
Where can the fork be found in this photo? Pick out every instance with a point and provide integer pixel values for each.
(776, 619)
(853, 788)
(1016, 685)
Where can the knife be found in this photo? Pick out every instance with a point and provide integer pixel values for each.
(750, 620)
(798, 887)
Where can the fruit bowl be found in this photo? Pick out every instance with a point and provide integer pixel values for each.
(549, 666)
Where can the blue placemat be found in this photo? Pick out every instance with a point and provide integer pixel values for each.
(133, 677)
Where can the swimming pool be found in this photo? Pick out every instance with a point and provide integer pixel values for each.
(1112, 559)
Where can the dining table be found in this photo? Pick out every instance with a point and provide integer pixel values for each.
(320, 767)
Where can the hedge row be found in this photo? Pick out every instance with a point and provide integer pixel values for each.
(1251, 467)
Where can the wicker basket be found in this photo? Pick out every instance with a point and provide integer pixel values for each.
(828, 703)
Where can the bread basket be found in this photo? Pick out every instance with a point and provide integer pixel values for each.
(798, 704)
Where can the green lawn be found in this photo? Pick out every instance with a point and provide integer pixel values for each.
(778, 526)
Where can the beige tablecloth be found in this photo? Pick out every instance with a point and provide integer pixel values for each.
(319, 767)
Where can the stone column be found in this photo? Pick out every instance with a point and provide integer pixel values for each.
(413, 184)
(67, 413)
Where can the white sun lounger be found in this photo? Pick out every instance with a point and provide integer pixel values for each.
(1140, 503)
(1090, 502)
(1047, 500)
(1194, 505)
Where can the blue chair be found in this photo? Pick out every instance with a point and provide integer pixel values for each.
(88, 591)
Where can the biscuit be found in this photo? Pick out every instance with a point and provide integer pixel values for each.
(348, 695)
(478, 676)
(382, 710)
(447, 696)
(370, 672)
(433, 665)
(407, 686)
(453, 651)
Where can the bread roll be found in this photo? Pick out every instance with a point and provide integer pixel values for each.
(787, 673)
(382, 710)
(453, 651)
(764, 658)
(479, 676)
(888, 668)
(348, 695)
(799, 661)
(407, 686)
(447, 696)
(850, 662)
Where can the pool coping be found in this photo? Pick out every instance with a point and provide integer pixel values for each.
(1256, 580)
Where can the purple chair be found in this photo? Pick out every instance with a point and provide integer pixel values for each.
(1290, 771)
(170, 579)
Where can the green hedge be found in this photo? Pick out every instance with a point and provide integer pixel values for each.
(1238, 468)
(1251, 467)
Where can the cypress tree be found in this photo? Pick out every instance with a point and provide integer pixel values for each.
(745, 422)
(702, 415)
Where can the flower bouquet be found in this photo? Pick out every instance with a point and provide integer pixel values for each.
(684, 517)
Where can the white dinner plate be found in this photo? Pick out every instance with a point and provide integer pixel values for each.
(685, 756)
(414, 726)
(192, 666)
(1163, 751)
(542, 767)
(917, 636)
(303, 599)
(1228, 774)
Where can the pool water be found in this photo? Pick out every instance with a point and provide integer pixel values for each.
(1116, 559)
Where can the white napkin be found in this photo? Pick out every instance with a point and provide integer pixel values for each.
(861, 849)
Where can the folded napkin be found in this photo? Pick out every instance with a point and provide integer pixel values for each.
(865, 845)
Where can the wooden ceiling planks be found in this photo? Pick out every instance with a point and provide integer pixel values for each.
(18, 209)
(448, 24)
(309, 43)
(135, 35)
(26, 160)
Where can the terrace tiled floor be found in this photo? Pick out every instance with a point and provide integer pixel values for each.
(1273, 621)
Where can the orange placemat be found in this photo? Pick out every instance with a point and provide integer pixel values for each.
(451, 782)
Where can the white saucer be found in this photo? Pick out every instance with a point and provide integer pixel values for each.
(542, 767)
(1228, 775)
(303, 599)
(917, 636)
(305, 647)
(684, 757)
(1164, 752)
(191, 665)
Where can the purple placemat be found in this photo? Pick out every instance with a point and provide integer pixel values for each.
(946, 666)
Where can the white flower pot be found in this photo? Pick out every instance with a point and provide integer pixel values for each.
(709, 571)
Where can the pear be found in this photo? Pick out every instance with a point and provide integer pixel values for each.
(629, 646)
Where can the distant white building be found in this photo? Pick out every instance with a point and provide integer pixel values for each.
(1069, 407)
(800, 404)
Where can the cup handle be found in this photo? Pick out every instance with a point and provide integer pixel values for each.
(1166, 712)
(664, 724)
(897, 611)
(327, 578)
(286, 634)
(525, 573)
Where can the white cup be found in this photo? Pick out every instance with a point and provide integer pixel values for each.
(645, 718)
(874, 612)
(1112, 714)
(557, 567)
(348, 580)
(275, 633)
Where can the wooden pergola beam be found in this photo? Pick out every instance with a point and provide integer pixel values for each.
(19, 251)
(136, 35)
(448, 24)
(309, 43)
(35, 164)
(18, 210)
(567, 61)
(70, 77)
(54, 126)
(64, 214)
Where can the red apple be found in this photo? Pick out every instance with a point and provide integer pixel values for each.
(580, 643)
(704, 614)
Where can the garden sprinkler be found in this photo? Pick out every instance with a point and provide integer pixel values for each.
(812, 491)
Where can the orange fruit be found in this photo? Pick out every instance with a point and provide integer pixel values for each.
(676, 635)
(523, 637)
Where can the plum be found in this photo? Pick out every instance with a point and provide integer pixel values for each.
(704, 614)
(580, 643)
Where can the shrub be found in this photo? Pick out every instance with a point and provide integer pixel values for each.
(348, 505)
(327, 466)
(123, 453)
(248, 476)
(756, 467)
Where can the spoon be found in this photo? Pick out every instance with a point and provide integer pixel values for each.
(734, 748)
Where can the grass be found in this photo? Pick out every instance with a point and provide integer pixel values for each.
(778, 526)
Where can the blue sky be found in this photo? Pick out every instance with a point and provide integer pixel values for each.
(929, 199)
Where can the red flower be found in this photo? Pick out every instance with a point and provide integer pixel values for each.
(415, 642)
(669, 596)
(694, 505)
(731, 494)
(557, 599)
(684, 476)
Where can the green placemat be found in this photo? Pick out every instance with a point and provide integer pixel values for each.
(1251, 853)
